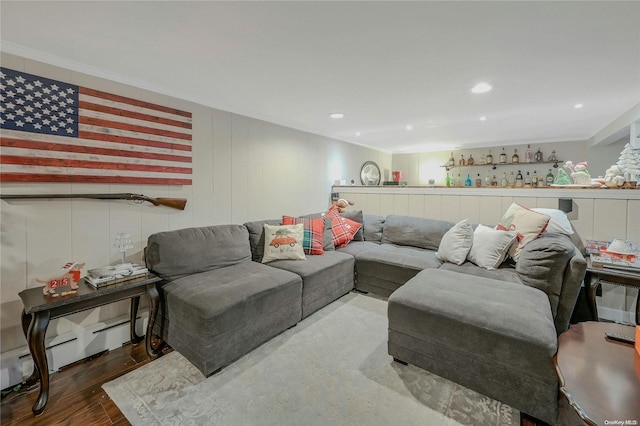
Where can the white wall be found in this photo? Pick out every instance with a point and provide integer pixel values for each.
(243, 169)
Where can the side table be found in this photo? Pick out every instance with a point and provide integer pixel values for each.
(599, 377)
(40, 309)
(596, 273)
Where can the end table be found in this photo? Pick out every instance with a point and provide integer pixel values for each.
(40, 309)
(596, 273)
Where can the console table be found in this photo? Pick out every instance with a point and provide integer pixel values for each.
(40, 309)
(599, 377)
(596, 273)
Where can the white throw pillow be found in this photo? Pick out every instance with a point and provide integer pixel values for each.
(559, 221)
(283, 242)
(528, 224)
(456, 243)
(490, 246)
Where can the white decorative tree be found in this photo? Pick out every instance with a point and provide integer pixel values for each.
(629, 162)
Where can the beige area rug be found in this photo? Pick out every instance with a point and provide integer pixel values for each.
(331, 369)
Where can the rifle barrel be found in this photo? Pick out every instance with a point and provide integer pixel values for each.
(175, 203)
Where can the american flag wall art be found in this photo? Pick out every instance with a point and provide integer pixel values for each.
(52, 131)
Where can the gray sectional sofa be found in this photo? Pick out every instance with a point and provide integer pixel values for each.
(494, 331)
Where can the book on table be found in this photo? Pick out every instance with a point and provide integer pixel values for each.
(108, 275)
(628, 262)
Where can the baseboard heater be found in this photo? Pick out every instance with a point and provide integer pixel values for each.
(69, 348)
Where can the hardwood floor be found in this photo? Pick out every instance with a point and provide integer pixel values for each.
(76, 396)
(75, 393)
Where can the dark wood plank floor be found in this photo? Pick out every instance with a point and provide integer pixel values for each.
(75, 393)
(76, 396)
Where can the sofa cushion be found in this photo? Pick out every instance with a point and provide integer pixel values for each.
(373, 226)
(490, 246)
(342, 229)
(313, 233)
(283, 242)
(327, 237)
(542, 265)
(173, 254)
(456, 243)
(414, 231)
(356, 247)
(503, 273)
(528, 224)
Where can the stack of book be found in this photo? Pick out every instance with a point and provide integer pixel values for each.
(108, 275)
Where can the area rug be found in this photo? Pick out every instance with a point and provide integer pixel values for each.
(331, 369)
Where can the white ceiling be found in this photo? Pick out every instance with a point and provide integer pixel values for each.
(383, 64)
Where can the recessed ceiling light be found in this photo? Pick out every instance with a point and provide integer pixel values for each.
(578, 106)
(481, 88)
(336, 115)
(409, 127)
(483, 118)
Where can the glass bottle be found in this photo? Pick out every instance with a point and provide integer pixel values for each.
(515, 159)
(489, 159)
(447, 180)
(462, 162)
(451, 161)
(482, 159)
(467, 182)
(534, 179)
(550, 177)
(503, 157)
(528, 157)
(512, 180)
(487, 179)
(458, 180)
(478, 181)
(539, 156)
(553, 157)
(494, 181)
(527, 180)
(470, 160)
(519, 181)
(503, 181)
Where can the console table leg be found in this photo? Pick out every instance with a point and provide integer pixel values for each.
(36, 334)
(135, 302)
(592, 282)
(154, 302)
(26, 323)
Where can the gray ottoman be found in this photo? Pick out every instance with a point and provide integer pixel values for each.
(495, 337)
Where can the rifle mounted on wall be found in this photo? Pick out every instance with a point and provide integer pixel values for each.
(174, 203)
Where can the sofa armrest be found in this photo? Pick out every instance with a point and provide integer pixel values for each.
(552, 263)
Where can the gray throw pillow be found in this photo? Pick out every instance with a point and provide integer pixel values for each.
(456, 243)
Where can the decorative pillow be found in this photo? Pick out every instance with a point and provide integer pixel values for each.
(490, 246)
(283, 242)
(342, 229)
(456, 243)
(558, 222)
(527, 223)
(313, 230)
(357, 217)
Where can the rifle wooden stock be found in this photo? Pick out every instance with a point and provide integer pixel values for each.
(174, 203)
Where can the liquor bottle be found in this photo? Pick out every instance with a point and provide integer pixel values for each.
(468, 181)
(489, 159)
(539, 156)
(470, 161)
(487, 180)
(494, 181)
(515, 159)
(478, 181)
(541, 181)
(482, 159)
(519, 182)
(452, 161)
(550, 177)
(503, 157)
(458, 180)
(534, 179)
(447, 180)
(512, 180)
(528, 157)
(527, 180)
(553, 157)
(503, 181)
(462, 162)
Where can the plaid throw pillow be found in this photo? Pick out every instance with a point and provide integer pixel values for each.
(313, 229)
(343, 229)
